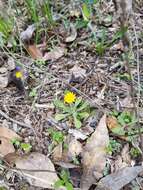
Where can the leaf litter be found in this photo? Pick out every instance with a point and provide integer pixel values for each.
(68, 55)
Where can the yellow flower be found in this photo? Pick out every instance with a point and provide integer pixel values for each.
(69, 97)
(18, 74)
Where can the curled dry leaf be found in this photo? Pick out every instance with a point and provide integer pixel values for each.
(73, 34)
(77, 74)
(119, 179)
(55, 54)
(94, 155)
(6, 146)
(28, 33)
(37, 161)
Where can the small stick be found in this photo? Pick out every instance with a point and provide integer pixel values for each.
(15, 121)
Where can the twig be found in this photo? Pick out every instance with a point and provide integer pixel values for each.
(15, 121)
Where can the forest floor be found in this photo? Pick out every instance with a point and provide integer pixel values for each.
(71, 108)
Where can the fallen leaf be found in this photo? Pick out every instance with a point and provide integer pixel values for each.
(125, 155)
(119, 163)
(77, 134)
(26, 35)
(73, 34)
(8, 133)
(37, 161)
(118, 46)
(33, 51)
(77, 74)
(3, 81)
(67, 165)
(11, 63)
(57, 152)
(75, 148)
(94, 155)
(3, 77)
(112, 122)
(119, 179)
(55, 54)
(6, 146)
(127, 102)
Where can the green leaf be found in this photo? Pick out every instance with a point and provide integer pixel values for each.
(60, 117)
(58, 183)
(77, 123)
(59, 104)
(33, 93)
(118, 130)
(86, 11)
(78, 101)
(26, 147)
(83, 115)
(83, 106)
(69, 186)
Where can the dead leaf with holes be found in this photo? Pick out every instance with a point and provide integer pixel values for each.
(37, 161)
(94, 155)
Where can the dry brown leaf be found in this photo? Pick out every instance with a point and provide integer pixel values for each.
(94, 156)
(6, 146)
(37, 161)
(33, 51)
(77, 73)
(55, 54)
(57, 153)
(75, 148)
(8, 133)
(125, 155)
(119, 163)
(127, 102)
(3, 81)
(77, 134)
(73, 34)
(112, 122)
(118, 46)
(119, 179)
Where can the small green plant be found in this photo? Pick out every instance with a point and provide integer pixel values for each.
(135, 152)
(46, 10)
(6, 26)
(125, 123)
(32, 10)
(72, 108)
(26, 147)
(113, 147)
(64, 181)
(33, 93)
(57, 136)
